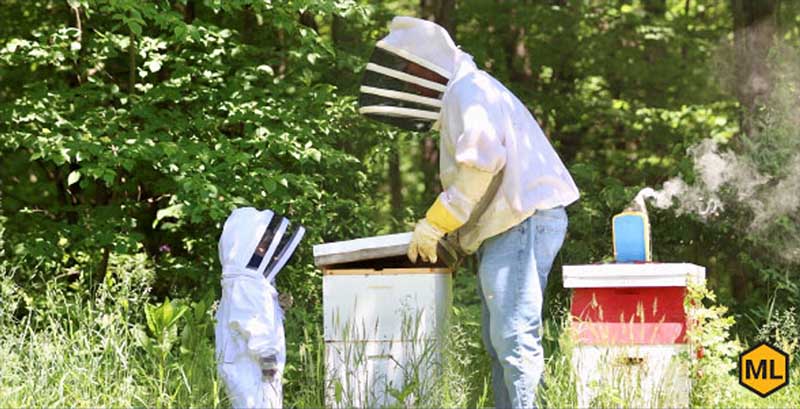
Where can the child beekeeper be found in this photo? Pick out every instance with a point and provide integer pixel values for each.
(250, 346)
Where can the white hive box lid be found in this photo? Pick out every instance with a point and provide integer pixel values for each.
(632, 275)
(379, 251)
(367, 248)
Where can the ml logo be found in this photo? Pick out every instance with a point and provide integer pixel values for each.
(763, 369)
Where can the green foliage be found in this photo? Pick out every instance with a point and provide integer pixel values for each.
(93, 352)
(714, 380)
(713, 371)
(162, 126)
(130, 129)
(782, 330)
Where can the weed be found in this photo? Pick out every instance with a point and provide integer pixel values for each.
(82, 352)
(120, 349)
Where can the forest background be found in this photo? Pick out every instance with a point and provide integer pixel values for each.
(130, 129)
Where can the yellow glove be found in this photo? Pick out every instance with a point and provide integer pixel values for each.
(424, 242)
(437, 222)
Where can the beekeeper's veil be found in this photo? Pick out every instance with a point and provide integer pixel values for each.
(260, 241)
(407, 74)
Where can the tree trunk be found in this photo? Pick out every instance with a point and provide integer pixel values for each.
(189, 12)
(307, 19)
(518, 61)
(338, 30)
(345, 36)
(76, 80)
(754, 35)
(686, 7)
(755, 27)
(444, 15)
(655, 7)
(248, 23)
(131, 62)
(396, 182)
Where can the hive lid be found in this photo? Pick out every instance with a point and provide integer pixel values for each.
(632, 275)
(367, 248)
(378, 251)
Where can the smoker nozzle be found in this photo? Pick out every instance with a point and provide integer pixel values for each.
(638, 202)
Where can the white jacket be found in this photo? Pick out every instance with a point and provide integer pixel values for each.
(484, 130)
(249, 319)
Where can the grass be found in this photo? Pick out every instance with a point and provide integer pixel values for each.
(113, 348)
(78, 351)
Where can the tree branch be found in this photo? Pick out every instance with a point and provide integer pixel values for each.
(78, 25)
(131, 62)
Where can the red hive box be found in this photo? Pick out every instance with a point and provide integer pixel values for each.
(629, 326)
(630, 303)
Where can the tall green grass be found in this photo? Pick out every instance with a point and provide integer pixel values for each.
(80, 350)
(116, 347)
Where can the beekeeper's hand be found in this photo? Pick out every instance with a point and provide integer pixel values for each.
(424, 242)
(438, 221)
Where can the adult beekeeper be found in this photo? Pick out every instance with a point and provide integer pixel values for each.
(250, 346)
(504, 187)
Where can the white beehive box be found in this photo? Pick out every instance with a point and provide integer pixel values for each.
(384, 320)
(630, 332)
(637, 376)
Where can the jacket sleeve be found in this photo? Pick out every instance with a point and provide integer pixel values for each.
(252, 317)
(480, 145)
(479, 154)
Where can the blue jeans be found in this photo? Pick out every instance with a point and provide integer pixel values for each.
(512, 271)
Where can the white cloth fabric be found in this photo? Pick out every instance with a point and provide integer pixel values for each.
(423, 42)
(249, 319)
(485, 129)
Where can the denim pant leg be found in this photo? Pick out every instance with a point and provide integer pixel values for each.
(513, 272)
(501, 398)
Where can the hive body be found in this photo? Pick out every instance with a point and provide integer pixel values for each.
(384, 323)
(630, 329)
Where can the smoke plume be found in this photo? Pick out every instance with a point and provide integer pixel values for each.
(761, 176)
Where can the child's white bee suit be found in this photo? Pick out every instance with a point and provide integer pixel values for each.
(251, 350)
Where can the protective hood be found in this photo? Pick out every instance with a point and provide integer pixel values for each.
(408, 73)
(257, 242)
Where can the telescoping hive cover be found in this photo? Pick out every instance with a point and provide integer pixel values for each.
(376, 252)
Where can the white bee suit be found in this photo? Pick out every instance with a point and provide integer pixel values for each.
(249, 330)
(486, 132)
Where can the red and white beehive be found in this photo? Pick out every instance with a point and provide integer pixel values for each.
(630, 327)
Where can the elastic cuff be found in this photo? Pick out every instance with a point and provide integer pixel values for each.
(441, 218)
